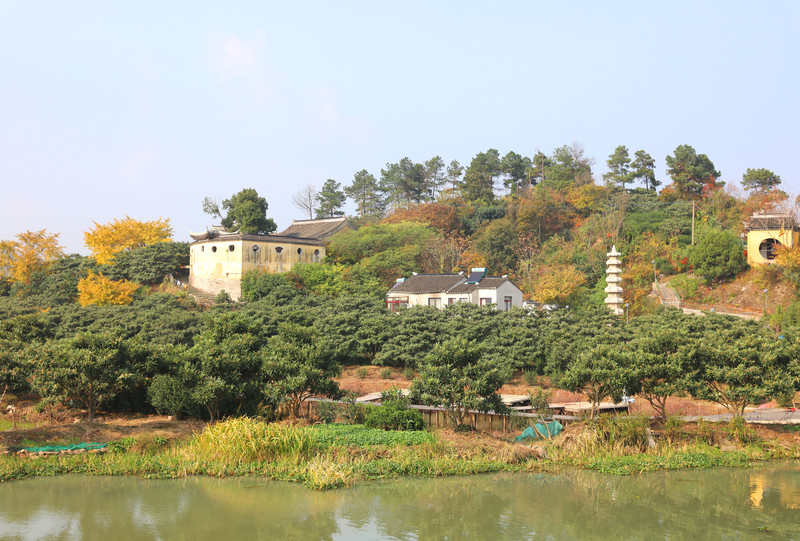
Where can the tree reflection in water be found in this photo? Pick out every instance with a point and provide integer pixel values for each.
(722, 503)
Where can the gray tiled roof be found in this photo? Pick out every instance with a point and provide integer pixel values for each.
(315, 229)
(488, 282)
(427, 283)
(765, 222)
(445, 283)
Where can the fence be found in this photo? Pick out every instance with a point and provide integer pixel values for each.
(483, 421)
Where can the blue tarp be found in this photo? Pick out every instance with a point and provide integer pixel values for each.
(552, 428)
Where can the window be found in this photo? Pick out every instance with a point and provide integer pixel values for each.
(436, 302)
(316, 253)
(255, 248)
(508, 302)
(768, 248)
(213, 248)
(202, 248)
(485, 301)
(278, 249)
(451, 300)
(231, 247)
(299, 251)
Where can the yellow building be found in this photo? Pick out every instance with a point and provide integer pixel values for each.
(218, 260)
(765, 233)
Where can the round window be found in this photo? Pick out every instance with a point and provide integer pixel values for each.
(299, 251)
(768, 248)
(255, 248)
(231, 247)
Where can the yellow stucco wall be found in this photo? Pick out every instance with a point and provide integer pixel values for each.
(788, 239)
(219, 264)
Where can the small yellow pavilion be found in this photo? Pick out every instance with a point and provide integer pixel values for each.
(765, 233)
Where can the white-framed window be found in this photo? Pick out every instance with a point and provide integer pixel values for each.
(436, 302)
(485, 301)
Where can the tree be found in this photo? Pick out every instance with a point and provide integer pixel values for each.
(245, 210)
(619, 167)
(718, 254)
(226, 357)
(306, 199)
(297, 365)
(150, 264)
(741, 366)
(330, 200)
(457, 375)
(600, 372)
(454, 172)
(569, 165)
(89, 369)
(105, 241)
(643, 169)
(99, 290)
(693, 175)
(663, 353)
(540, 164)
(480, 175)
(557, 284)
(403, 182)
(366, 193)
(32, 252)
(761, 180)
(516, 169)
(495, 242)
(434, 173)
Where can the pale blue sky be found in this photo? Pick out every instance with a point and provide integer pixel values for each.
(144, 108)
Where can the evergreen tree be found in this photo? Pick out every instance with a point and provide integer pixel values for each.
(480, 175)
(619, 164)
(330, 200)
(643, 169)
(366, 193)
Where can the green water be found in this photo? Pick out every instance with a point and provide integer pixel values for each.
(762, 503)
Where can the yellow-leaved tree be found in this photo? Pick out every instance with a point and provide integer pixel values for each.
(31, 252)
(106, 240)
(102, 291)
(557, 284)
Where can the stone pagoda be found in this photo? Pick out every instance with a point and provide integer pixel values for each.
(614, 299)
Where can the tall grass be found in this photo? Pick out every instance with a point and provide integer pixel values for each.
(244, 439)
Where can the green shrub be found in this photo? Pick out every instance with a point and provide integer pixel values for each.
(394, 413)
(169, 395)
(718, 255)
(530, 377)
(386, 373)
(408, 373)
(362, 372)
(327, 412)
(353, 412)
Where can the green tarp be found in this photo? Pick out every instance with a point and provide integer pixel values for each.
(59, 448)
(540, 431)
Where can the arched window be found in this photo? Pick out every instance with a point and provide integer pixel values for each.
(316, 253)
(278, 249)
(768, 248)
(231, 247)
(299, 251)
(213, 248)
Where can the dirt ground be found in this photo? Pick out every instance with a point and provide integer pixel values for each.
(69, 427)
(373, 382)
(746, 292)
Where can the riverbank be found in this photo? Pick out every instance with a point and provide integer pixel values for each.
(330, 456)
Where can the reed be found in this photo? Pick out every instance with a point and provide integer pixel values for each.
(244, 439)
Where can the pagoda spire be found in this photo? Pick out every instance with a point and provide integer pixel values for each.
(614, 300)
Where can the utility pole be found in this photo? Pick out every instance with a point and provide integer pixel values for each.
(693, 223)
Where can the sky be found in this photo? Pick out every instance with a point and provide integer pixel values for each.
(144, 108)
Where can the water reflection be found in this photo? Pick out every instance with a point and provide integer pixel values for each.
(719, 504)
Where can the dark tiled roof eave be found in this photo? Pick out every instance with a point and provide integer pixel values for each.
(275, 239)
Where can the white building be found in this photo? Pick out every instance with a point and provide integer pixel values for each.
(439, 290)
